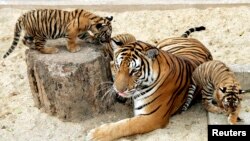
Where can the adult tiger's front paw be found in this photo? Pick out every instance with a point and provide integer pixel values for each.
(99, 134)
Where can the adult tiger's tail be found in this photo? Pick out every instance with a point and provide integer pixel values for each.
(17, 33)
(188, 32)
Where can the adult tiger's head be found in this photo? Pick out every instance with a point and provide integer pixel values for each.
(100, 29)
(133, 64)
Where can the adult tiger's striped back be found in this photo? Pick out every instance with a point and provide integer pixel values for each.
(189, 48)
(43, 24)
(186, 47)
(180, 45)
(157, 80)
(217, 82)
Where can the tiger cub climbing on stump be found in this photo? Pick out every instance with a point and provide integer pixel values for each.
(217, 83)
(43, 24)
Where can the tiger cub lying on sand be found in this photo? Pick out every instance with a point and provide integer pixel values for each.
(216, 82)
(43, 24)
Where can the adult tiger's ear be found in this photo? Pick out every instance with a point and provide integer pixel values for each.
(115, 44)
(223, 89)
(109, 18)
(118, 43)
(152, 53)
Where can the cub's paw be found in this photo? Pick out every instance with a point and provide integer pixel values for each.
(54, 50)
(221, 111)
(74, 49)
(240, 119)
(231, 122)
(49, 50)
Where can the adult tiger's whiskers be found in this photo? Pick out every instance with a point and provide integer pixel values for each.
(108, 97)
(104, 86)
(107, 93)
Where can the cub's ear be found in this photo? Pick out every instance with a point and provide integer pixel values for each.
(109, 18)
(98, 26)
(223, 89)
(244, 91)
(152, 53)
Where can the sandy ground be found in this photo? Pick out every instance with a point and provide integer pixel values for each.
(227, 37)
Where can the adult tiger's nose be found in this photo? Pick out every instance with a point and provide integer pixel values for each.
(121, 93)
(119, 89)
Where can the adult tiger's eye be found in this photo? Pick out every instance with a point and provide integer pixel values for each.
(138, 74)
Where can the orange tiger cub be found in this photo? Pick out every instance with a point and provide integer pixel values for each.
(43, 24)
(217, 83)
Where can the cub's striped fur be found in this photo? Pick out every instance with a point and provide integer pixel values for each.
(157, 80)
(216, 82)
(43, 24)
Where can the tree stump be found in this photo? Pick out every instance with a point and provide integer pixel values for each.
(67, 84)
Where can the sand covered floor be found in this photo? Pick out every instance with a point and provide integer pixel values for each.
(227, 37)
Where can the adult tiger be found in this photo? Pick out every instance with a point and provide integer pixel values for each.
(158, 82)
(216, 82)
(42, 24)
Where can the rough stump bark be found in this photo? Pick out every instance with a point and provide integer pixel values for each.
(67, 84)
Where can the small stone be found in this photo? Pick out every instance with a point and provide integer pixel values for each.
(3, 64)
(247, 110)
(210, 43)
(241, 33)
(188, 127)
(13, 94)
(21, 76)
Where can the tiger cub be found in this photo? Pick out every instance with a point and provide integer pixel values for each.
(217, 83)
(43, 24)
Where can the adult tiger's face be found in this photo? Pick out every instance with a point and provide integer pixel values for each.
(102, 30)
(133, 65)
